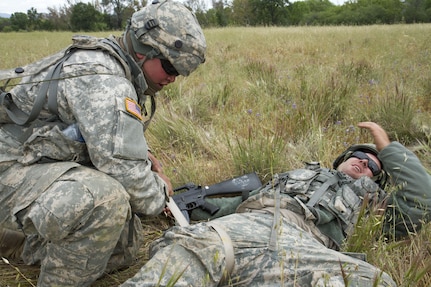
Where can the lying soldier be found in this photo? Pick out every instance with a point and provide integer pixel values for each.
(289, 232)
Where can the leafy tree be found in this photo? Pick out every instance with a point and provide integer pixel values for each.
(196, 5)
(297, 10)
(269, 12)
(208, 19)
(85, 17)
(121, 10)
(417, 11)
(379, 11)
(241, 13)
(113, 14)
(19, 21)
(310, 12)
(5, 25)
(60, 18)
(222, 12)
(34, 19)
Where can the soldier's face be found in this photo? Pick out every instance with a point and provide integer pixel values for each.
(356, 167)
(154, 70)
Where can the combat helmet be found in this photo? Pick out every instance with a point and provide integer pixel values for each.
(168, 30)
(380, 179)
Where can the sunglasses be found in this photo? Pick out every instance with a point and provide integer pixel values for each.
(168, 68)
(372, 165)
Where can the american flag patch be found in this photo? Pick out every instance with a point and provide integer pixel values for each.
(133, 108)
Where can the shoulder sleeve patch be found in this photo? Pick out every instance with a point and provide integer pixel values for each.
(133, 108)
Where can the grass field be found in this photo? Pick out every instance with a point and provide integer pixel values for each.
(266, 100)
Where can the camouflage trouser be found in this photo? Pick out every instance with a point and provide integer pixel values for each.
(196, 255)
(72, 216)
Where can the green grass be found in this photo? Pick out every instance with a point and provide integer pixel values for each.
(268, 99)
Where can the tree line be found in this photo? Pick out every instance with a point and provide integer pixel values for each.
(108, 15)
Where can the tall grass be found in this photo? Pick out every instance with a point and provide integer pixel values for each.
(269, 99)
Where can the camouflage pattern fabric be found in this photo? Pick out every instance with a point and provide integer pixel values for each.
(74, 223)
(304, 255)
(173, 31)
(97, 96)
(73, 196)
(300, 259)
(75, 216)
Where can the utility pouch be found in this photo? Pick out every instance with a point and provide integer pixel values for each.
(48, 143)
(298, 182)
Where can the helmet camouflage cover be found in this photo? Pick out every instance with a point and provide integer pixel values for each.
(169, 30)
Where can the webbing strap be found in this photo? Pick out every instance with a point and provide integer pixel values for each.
(322, 189)
(138, 77)
(228, 250)
(53, 84)
(13, 112)
(176, 212)
(276, 221)
(21, 118)
(48, 89)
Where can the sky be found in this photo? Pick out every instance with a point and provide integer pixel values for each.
(12, 6)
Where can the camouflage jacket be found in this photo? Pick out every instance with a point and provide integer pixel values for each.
(96, 93)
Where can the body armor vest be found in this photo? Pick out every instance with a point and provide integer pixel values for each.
(321, 195)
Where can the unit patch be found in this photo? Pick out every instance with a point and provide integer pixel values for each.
(133, 108)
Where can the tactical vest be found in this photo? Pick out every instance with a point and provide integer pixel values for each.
(321, 195)
(10, 113)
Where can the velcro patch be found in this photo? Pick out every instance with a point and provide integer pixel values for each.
(133, 108)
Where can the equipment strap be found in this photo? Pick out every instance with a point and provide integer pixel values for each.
(276, 222)
(50, 83)
(138, 77)
(53, 84)
(48, 89)
(225, 238)
(228, 250)
(176, 212)
(317, 195)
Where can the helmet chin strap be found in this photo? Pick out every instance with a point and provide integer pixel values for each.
(126, 42)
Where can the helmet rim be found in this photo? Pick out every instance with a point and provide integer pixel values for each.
(368, 148)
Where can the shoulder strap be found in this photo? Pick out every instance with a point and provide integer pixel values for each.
(229, 251)
(31, 69)
(317, 195)
(21, 118)
(50, 84)
(137, 75)
(276, 220)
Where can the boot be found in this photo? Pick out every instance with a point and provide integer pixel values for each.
(11, 244)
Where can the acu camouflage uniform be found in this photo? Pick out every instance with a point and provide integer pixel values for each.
(74, 198)
(296, 246)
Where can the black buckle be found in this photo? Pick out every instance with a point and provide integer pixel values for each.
(151, 24)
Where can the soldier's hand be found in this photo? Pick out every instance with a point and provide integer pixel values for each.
(170, 190)
(381, 139)
(156, 165)
(157, 168)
